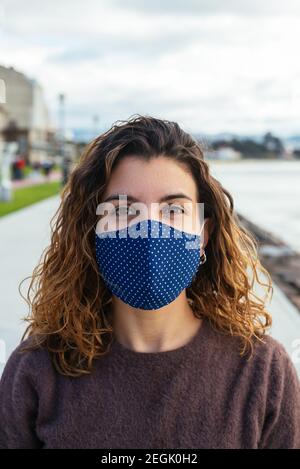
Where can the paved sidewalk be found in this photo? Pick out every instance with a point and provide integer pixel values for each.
(24, 235)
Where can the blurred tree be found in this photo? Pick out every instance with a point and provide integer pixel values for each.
(273, 144)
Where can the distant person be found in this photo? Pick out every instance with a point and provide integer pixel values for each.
(47, 168)
(18, 167)
(36, 166)
(14, 170)
(144, 331)
(66, 168)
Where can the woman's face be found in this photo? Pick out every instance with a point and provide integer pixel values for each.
(160, 189)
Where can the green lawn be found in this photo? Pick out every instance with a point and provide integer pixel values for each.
(29, 195)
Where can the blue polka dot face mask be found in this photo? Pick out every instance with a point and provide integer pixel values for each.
(148, 264)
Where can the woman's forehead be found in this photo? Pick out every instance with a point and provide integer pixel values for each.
(147, 180)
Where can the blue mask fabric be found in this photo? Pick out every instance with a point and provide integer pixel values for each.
(147, 264)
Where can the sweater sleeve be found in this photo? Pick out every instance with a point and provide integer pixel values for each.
(18, 403)
(281, 427)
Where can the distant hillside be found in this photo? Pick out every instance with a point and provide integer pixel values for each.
(86, 135)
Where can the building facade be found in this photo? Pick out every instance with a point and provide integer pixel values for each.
(24, 116)
(3, 120)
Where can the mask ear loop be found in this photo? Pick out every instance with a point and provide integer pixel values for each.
(203, 258)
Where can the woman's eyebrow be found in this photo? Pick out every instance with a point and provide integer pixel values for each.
(175, 196)
(134, 199)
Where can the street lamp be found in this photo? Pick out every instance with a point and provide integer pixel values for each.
(64, 159)
(96, 125)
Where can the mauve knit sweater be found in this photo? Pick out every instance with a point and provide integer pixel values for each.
(200, 395)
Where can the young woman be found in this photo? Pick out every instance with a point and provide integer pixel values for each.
(136, 340)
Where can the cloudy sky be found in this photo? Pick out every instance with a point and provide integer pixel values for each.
(211, 65)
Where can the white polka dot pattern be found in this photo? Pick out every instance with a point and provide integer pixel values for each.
(147, 264)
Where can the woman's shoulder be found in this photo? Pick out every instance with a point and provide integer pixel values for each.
(273, 356)
(269, 348)
(276, 362)
(27, 385)
(28, 361)
(266, 353)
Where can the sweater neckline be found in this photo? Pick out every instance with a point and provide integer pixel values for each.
(173, 354)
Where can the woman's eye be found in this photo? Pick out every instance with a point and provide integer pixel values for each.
(174, 209)
(124, 210)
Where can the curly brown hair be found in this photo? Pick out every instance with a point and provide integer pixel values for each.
(70, 307)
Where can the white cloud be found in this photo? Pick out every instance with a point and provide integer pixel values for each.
(210, 68)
